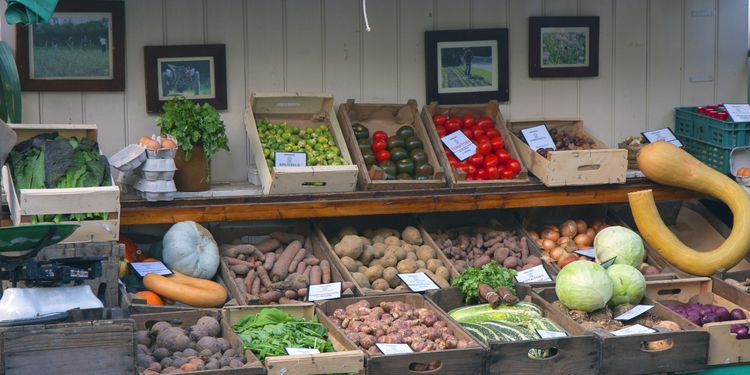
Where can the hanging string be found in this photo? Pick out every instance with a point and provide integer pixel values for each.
(364, 12)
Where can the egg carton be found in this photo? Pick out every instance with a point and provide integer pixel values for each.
(155, 190)
(129, 158)
(163, 153)
(739, 157)
(157, 169)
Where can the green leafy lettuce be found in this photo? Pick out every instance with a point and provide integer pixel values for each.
(491, 274)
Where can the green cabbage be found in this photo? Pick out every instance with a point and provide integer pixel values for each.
(629, 285)
(583, 285)
(619, 242)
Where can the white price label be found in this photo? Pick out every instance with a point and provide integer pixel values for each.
(144, 268)
(324, 291)
(590, 253)
(538, 137)
(636, 329)
(388, 349)
(634, 312)
(535, 274)
(290, 159)
(461, 146)
(664, 134)
(543, 333)
(418, 281)
(295, 351)
(738, 112)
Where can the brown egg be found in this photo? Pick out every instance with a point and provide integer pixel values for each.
(168, 143)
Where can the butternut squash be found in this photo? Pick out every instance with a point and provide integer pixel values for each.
(667, 164)
(186, 289)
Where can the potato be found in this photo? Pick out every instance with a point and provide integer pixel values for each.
(401, 287)
(411, 235)
(349, 264)
(374, 273)
(390, 275)
(377, 239)
(406, 266)
(421, 264)
(365, 241)
(400, 253)
(361, 279)
(358, 263)
(347, 231)
(350, 246)
(411, 255)
(388, 261)
(443, 273)
(368, 254)
(386, 232)
(409, 248)
(380, 284)
(393, 241)
(433, 264)
(362, 269)
(374, 262)
(379, 249)
(425, 253)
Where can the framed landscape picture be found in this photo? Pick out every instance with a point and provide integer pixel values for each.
(467, 66)
(81, 48)
(563, 46)
(195, 72)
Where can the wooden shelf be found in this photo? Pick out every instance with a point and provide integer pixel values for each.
(240, 208)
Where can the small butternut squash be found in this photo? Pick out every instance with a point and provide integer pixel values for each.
(667, 164)
(189, 290)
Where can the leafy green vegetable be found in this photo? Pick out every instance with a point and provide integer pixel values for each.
(193, 124)
(491, 274)
(271, 331)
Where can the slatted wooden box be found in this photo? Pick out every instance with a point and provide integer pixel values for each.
(303, 111)
(31, 202)
(602, 165)
(344, 359)
(490, 109)
(388, 118)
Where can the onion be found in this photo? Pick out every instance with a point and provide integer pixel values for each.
(582, 240)
(596, 225)
(563, 241)
(557, 253)
(548, 245)
(742, 333)
(539, 243)
(680, 310)
(168, 143)
(567, 259)
(736, 327)
(591, 232)
(149, 143)
(695, 318)
(737, 314)
(552, 228)
(534, 235)
(722, 313)
(709, 318)
(569, 228)
(549, 234)
(582, 226)
(706, 309)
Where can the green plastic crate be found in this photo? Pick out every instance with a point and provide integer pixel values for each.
(723, 134)
(715, 157)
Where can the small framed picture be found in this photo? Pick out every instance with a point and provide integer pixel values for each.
(467, 66)
(195, 72)
(81, 48)
(563, 46)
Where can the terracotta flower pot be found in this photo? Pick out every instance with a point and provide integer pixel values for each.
(193, 174)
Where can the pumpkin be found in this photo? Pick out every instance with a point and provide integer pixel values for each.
(667, 164)
(190, 249)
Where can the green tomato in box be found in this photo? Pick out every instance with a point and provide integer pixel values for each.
(389, 167)
(296, 130)
(405, 166)
(424, 169)
(322, 139)
(414, 143)
(369, 158)
(418, 155)
(360, 131)
(405, 132)
(269, 163)
(335, 149)
(398, 153)
(395, 142)
(266, 152)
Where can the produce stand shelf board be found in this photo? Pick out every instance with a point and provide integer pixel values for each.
(565, 168)
(27, 203)
(343, 360)
(303, 111)
(388, 118)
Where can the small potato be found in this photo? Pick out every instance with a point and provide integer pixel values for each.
(409, 248)
(374, 273)
(400, 253)
(390, 275)
(421, 264)
(367, 255)
(358, 263)
(374, 262)
(401, 287)
(393, 241)
(377, 239)
(433, 264)
(379, 249)
(361, 279)
(411, 255)
(411, 235)
(386, 232)
(349, 264)
(380, 284)
(406, 266)
(388, 261)
(425, 253)
(366, 241)
(443, 273)
(362, 269)
(347, 231)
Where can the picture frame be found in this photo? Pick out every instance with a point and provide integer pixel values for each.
(563, 47)
(467, 66)
(81, 48)
(197, 72)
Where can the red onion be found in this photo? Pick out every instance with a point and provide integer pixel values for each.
(735, 328)
(737, 314)
(680, 310)
(695, 318)
(722, 313)
(706, 309)
(742, 333)
(709, 318)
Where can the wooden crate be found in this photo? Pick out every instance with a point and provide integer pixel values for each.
(229, 232)
(574, 354)
(535, 218)
(185, 319)
(31, 202)
(105, 347)
(496, 219)
(723, 347)
(388, 118)
(603, 165)
(626, 354)
(326, 230)
(452, 361)
(490, 109)
(304, 111)
(345, 359)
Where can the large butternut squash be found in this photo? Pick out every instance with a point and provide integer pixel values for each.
(189, 290)
(667, 164)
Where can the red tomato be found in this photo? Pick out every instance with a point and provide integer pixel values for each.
(497, 143)
(463, 167)
(441, 130)
(514, 165)
(492, 172)
(484, 148)
(479, 133)
(482, 174)
(503, 156)
(468, 133)
(471, 170)
(476, 160)
(378, 145)
(492, 132)
(439, 119)
(382, 155)
(457, 119)
(469, 121)
(452, 158)
(452, 125)
(481, 139)
(484, 122)
(470, 178)
(491, 160)
(507, 174)
(454, 163)
(379, 136)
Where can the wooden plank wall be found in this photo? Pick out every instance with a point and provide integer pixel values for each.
(654, 55)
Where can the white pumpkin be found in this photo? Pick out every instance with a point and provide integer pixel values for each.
(190, 249)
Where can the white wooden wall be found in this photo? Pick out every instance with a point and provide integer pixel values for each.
(654, 55)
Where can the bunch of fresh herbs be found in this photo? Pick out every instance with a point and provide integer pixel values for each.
(491, 274)
(193, 124)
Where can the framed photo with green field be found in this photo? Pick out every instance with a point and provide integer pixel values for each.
(81, 48)
(563, 46)
(467, 66)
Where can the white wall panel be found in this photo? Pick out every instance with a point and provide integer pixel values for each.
(700, 52)
(416, 17)
(630, 62)
(525, 93)
(380, 55)
(343, 32)
(304, 46)
(731, 58)
(665, 61)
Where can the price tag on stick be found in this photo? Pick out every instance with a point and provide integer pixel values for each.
(634, 312)
(321, 292)
(290, 159)
(545, 334)
(418, 281)
(295, 351)
(394, 348)
(538, 137)
(589, 253)
(664, 134)
(635, 329)
(461, 146)
(536, 274)
(143, 268)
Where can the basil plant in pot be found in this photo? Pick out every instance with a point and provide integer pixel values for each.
(200, 133)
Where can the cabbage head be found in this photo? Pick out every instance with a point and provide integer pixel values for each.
(583, 285)
(628, 284)
(619, 242)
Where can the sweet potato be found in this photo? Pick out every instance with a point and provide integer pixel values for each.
(263, 276)
(240, 269)
(315, 275)
(241, 286)
(235, 250)
(249, 279)
(311, 261)
(268, 297)
(234, 262)
(255, 289)
(281, 267)
(325, 269)
(285, 300)
(288, 238)
(270, 260)
(296, 260)
(301, 268)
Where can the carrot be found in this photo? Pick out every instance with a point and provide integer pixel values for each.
(325, 268)
(287, 237)
(268, 245)
(281, 267)
(297, 258)
(315, 275)
(251, 276)
(301, 268)
(272, 296)
(263, 276)
(270, 259)
(255, 289)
